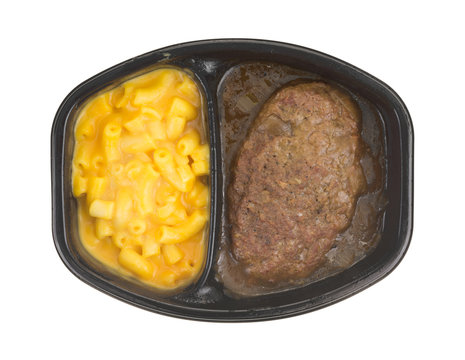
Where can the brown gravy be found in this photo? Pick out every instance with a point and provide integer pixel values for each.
(242, 93)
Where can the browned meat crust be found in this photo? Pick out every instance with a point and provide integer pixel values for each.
(296, 181)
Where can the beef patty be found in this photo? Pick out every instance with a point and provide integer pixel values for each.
(296, 181)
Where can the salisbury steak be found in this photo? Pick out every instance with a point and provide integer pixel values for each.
(296, 181)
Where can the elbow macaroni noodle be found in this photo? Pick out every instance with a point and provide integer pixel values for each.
(140, 170)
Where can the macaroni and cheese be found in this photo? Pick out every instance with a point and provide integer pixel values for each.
(140, 176)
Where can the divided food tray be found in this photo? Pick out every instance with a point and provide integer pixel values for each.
(207, 299)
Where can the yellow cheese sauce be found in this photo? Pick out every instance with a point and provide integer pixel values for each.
(140, 176)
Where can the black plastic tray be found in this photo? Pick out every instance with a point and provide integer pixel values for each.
(209, 60)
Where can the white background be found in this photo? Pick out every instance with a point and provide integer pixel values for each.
(48, 47)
